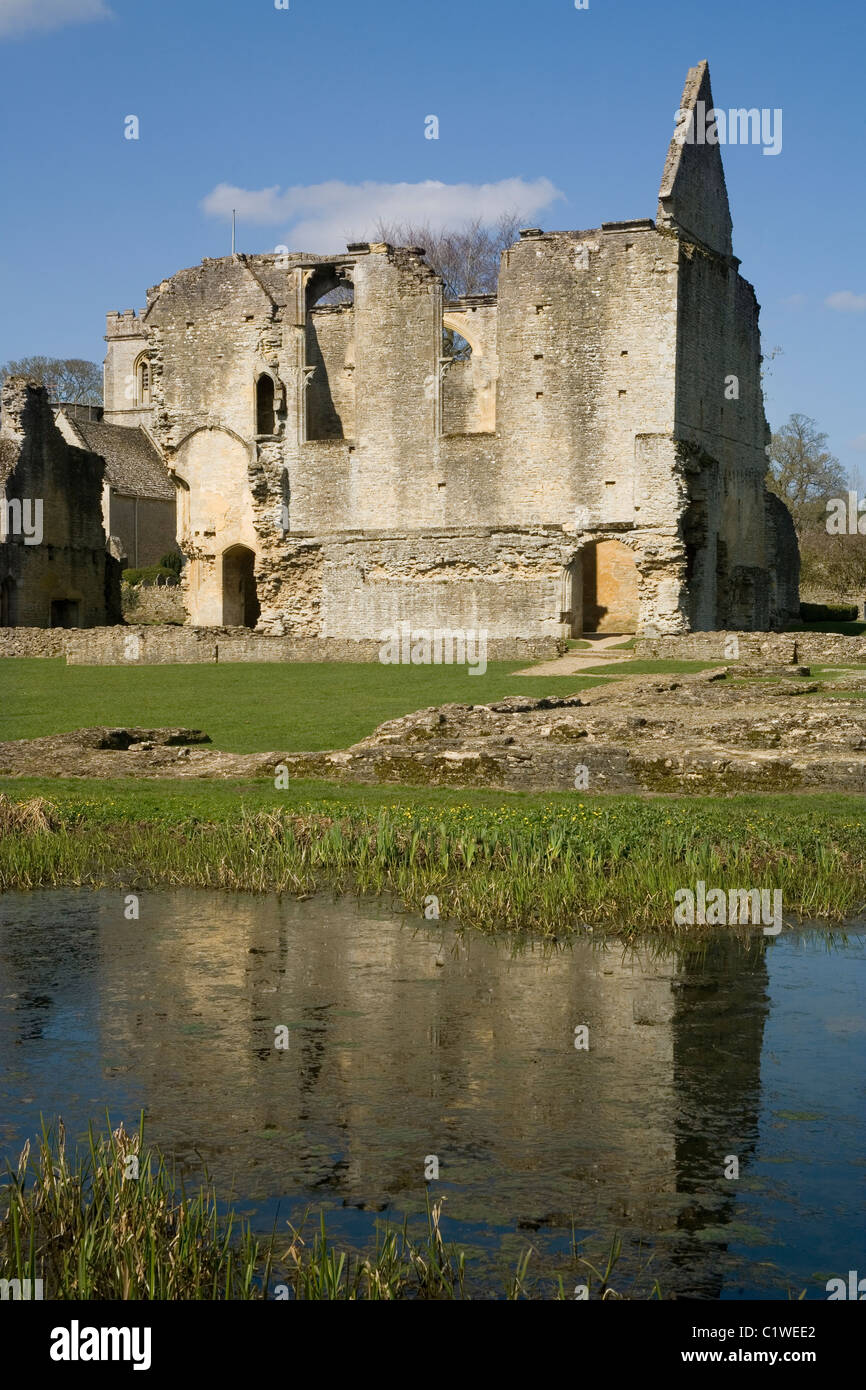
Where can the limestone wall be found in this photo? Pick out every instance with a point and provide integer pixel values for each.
(153, 603)
(127, 340)
(65, 578)
(784, 647)
(509, 583)
(587, 350)
(155, 645)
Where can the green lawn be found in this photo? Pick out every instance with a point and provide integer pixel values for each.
(291, 707)
(258, 708)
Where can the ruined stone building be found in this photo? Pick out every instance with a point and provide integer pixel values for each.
(55, 570)
(139, 507)
(595, 460)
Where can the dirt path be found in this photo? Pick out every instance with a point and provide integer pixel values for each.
(573, 663)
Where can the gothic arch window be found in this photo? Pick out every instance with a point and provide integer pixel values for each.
(143, 379)
(265, 416)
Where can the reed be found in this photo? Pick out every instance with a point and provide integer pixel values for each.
(546, 870)
(111, 1222)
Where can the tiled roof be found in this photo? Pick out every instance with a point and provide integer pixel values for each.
(132, 464)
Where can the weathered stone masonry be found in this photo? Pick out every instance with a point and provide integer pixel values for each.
(65, 577)
(587, 465)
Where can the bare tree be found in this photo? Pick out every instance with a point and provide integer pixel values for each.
(71, 380)
(832, 565)
(466, 257)
(803, 472)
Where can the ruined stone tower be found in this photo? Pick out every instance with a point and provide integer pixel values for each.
(584, 464)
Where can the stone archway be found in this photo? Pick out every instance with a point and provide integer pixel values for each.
(610, 584)
(240, 600)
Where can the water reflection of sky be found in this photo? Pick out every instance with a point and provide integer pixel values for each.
(811, 1162)
(406, 1041)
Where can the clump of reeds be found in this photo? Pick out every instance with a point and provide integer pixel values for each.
(26, 817)
(112, 1223)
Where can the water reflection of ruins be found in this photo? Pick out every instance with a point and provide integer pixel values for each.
(401, 1048)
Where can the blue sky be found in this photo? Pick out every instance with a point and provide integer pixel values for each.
(575, 107)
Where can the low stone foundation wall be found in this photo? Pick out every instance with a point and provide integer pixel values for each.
(170, 645)
(821, 648)
(153, 603)
(33, 641)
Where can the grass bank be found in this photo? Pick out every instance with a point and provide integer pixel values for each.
(548, 865)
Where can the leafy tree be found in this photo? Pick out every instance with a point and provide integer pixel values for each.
(71, 380)
(172, 561)
(803, 472)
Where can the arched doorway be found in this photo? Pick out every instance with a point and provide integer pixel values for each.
(7, 602)
(610, 587)
(240, 601)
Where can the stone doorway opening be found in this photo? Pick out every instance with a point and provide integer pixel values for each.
(7, 603)
(610, 581)
(65, 612)
(241, 606)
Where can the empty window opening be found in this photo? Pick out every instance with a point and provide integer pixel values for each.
(330, 351)
(454, 346)
(468, 392)
(142, 381)
(265, 417)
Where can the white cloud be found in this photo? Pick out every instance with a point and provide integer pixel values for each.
(30, 16)
(325, 216)
(847, 302)
(794, 301)
(858, 444)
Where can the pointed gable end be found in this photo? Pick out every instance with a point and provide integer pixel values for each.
(693, 197)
